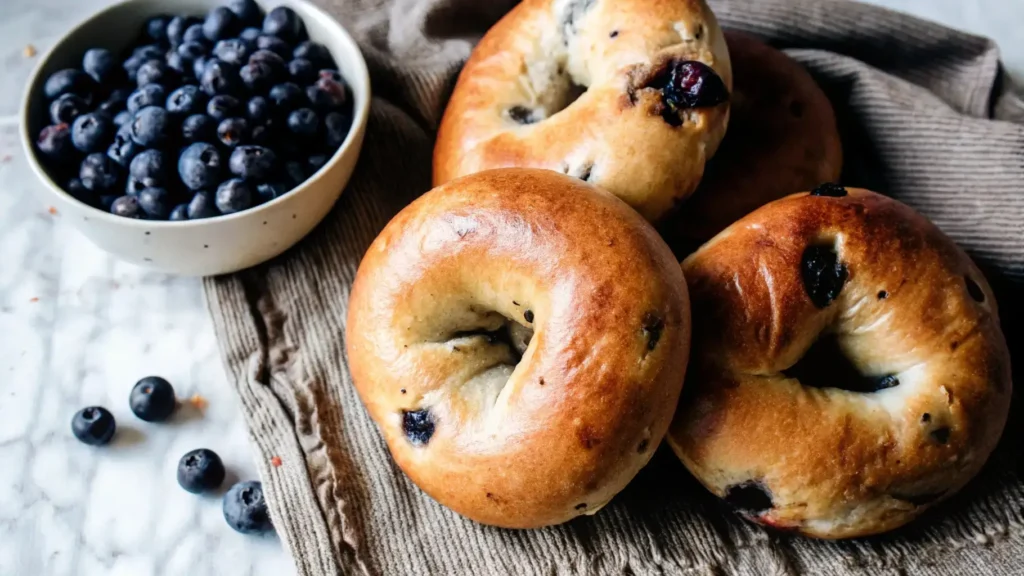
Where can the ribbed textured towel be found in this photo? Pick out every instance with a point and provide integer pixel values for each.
(924, 118)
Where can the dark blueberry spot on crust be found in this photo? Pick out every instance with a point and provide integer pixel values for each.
(919, 499)
(830, 189)
(642, 447)
(402, 390)
(882, 295)
(752, 497)
(651, 326)
(688, 84)
(926, 417)
(515, 303)
(884, 382)
(528, 315)
(541, 381)
(954, 345)
(585, 172)
(941, 435)
(974, 290)
(521, 115)
(418, 426)
(581, 506)
(613, 34)
(823, 274)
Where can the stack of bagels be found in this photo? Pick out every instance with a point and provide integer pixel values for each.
(824, 358)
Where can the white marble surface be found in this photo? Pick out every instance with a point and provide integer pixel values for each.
(77, 328)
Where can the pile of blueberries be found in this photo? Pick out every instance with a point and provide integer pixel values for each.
(153, 400)
(202, 117)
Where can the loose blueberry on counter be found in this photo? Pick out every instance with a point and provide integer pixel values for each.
(222, 107)
(314, 52)
(220, 23)
(199, 128)
(267, 191)
(155, 72)
(93, 425)
(258, 109)
(199, 166)
(336, 127)
(69, 81)
(233, 131)
(179, 213)
(148, 95)
(92, 132)
(133, 187)
(155, 202)
(233, 195)
(176, 28)
(150, 126)
(286, 97)
(327, 94)
(156, 28)
(247, 11)
(257, 76)
(275, 45)
(252, 163)
(303, 122)
(123, 149)
(219, 78)
(200, 471)
(234, 51)
(284, 23)
(245, 509)
(202, 205)
(149, 167)
(126, 207)
(152, 399)
(65, 109)
(185, 101)
(302, 71)
(99, 173)
(193, 34)
(55, 141)
(100, 64)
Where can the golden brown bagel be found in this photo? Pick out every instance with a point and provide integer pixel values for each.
(907, 309)
(506, 263)
(515, 101)
(782, 139)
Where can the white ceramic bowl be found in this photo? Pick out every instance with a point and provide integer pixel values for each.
(213, 245)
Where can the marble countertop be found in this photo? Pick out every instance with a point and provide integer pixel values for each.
(79, 328)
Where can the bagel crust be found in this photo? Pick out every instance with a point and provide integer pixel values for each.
(516, 104)
(503, 264)
(910, 313)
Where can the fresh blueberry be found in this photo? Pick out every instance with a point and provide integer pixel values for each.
(249, 35)
(92, 132)
(55, 141)
(220, 23)
(199, 128)
(223, 106)
(234, 51)
(302, 71)
(122, 118)
(262, 134)
(69, 81)
(131, 65)
(200, 471)
(284, 23)
(286, 97)
(270, 57)
(267, 191)
(115, 102)
(233, 195)
(295, 172)
(99, 173)
(316, 162)
(258, 76)
(247, 11)
(252, 162)
(191, 50)
(327, 94)
(156, 28)
(133, 187)
(194, 34)
(79, 192)
(149, 167)
(123, 149)
(152, 399)
(219, 78)
(148, 52)
(275, 45)
(198, 66)
(314, 52)
(245, 509)
(181, 66)
(258, 109)
(199, 166)
(336, 126)
(185, 101)
(303, 122)
(155, 202)
(176, 28)
(150, 126)
(693, 84)
(233, 131)
(93, 425)
(148, 95)
(179, 213)
(202, 206)
(155, 72)
(100, 64)
(65, 109)
(127, 207)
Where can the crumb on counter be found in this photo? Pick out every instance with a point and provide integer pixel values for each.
(198, 402)
(276, 461)
(29, 51)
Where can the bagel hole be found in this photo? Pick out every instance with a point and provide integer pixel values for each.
(974, 289)
(510, 334)
(824, 365)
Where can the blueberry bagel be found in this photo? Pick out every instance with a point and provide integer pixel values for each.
(848, 370)
(629, 95)
(520, 338)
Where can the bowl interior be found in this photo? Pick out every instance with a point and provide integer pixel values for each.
(118, 27)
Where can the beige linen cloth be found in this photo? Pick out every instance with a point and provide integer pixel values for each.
(925, 118)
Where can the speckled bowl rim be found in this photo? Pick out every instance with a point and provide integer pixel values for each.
(360, 115)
